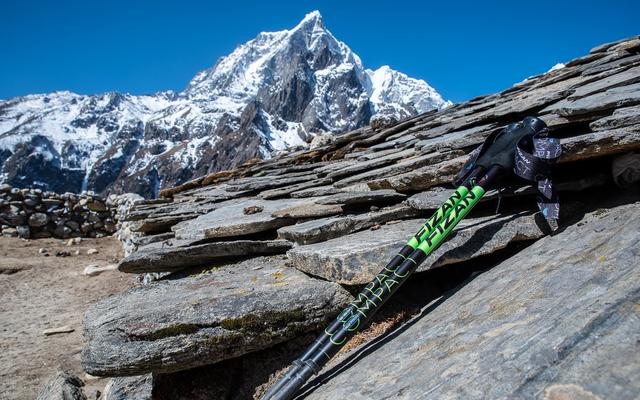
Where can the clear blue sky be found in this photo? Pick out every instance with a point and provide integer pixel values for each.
(462, 48)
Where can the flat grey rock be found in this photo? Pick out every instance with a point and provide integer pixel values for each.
(461, 138)
(355, 259)
(559, 320)
(422, 178)
(315, 191)
(334, 166)
(370, 197)
(538, 96)
(616, 97)
(62, 386)
(371, 163)
(231, 220)
(210, 193)
(174, 258)
(160, 219)
(617, 64)
(620, 118)
(328, 228)
(308, 210)
(130, 388)
(605, 46)
(264, 183)
(430, 199)
(371, 153)
(402, 166)
(143, 211)
(287, 190)
(162, 224)
(149, 239)
(224, 313)
(598, 144)
(626, 77)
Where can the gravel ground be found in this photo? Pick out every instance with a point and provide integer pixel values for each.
(39, 292)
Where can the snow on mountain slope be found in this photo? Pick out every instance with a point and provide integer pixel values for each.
(395, 93)
(273, 93)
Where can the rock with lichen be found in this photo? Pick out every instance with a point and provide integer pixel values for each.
(212, 316)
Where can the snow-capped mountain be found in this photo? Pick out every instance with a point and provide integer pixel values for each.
(272, 93)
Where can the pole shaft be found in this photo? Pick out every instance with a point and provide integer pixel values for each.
(371, 300)
(409, 247)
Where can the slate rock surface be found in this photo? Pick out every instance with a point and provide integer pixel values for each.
(370, 197)
(219, 314)
(558, 320)
(174, 258)
(130, 388)
(62, 386)
(231, 220)
(355, 259)
(319, 230)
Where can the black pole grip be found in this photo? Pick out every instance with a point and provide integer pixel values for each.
(503, 148)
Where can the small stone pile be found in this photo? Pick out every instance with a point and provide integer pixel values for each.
(35, 214)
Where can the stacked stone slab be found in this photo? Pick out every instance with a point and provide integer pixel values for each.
(34, 214)
(328, 219)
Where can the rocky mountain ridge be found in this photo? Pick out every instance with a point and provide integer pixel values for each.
(273, 93)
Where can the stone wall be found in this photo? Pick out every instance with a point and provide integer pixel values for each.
(35, 214)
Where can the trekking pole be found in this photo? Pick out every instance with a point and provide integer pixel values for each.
(495, 159)
(424, 231)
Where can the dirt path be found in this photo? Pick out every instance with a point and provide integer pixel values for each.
(38, 293)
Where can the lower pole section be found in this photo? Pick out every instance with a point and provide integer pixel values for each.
(377, 292)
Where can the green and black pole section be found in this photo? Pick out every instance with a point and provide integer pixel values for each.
(496, 159)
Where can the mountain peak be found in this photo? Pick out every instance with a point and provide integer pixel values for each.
(272, 93)
(311, 18)
(312, 25)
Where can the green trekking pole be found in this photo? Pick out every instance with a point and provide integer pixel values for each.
(413, 243)
(496, 158)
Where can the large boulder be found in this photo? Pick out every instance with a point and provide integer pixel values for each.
(216, 315)
(559, 320)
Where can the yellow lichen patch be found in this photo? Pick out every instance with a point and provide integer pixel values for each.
(430, 345)
(504, 306)
(464, 315)
(205, 272)
(506, 327)
(451, 351)
(278, 275)
(568, 392)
